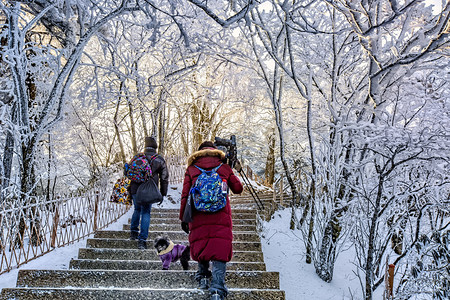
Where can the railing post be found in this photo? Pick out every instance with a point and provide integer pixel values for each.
(274, 192)
(96, 210)
(55, 226)
(281, 191)
(389, 281)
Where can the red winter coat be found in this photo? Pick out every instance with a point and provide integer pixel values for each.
(210, 235)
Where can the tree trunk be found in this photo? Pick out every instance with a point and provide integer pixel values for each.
(312, 206)
(144, 120)
(8, 152)
(269, 172)
(371, 247)
(161, 126)
(324, 264)
(184, 135)
(313, 176)
(276, 101)
(49, 168)
(132, 125)
(117, 130)
(28, 184)
(140, 101)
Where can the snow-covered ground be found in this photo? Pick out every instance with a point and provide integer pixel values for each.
(283, 252)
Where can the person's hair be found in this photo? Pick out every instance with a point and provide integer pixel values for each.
(207, 144)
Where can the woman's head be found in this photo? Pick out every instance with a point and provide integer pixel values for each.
(207, 145)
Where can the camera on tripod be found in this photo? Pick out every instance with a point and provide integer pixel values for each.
(229, 147)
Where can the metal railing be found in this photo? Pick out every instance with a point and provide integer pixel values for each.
(30, 230)
(177, 167)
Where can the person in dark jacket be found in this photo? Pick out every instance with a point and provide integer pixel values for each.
(141, 213)
(210, 234)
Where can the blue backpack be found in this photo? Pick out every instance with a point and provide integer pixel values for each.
(207, 193)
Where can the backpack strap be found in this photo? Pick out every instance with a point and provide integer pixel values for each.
(194, 187)
(201, 170)
(152, 158)
(212, 170)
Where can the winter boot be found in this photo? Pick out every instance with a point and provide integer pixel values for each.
(142, 245)
(216, 296)
(134, 235)
(184, 260)
(203, 283)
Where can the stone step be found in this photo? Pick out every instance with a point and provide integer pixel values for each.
(175, 220)
(133, 294)
(251, 200)
(111, 267)
(267, 197)
(127, 244)
(239, 236)
(254, 206)
(150, 254)
(238, 204)
(95, 264)
(260, 195)
(250, 215)
(266, 205)
(248, 195)
(177, 211)
(177, 226)
(139, 279)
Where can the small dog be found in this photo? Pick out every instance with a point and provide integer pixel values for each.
(169, 252)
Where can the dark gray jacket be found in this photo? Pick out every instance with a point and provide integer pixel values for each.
(160, 172)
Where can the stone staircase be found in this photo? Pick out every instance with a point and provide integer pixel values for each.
(111, 266)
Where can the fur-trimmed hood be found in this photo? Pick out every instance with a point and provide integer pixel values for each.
(205, 152)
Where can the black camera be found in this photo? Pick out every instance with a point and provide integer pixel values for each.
(229, 147)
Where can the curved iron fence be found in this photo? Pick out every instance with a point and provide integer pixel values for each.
(30, 230)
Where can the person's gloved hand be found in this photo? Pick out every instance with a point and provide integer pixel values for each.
(185, 227)
(238, 166)
(165, 268)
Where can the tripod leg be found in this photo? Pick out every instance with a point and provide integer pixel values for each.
(252, 190)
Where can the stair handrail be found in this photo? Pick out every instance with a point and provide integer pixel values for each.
(252, 191)
(37, 225)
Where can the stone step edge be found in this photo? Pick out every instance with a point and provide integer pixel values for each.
(176, 231)
(94, 293)
(128, 240)
(143, 250)
(72, 278)
(156, 261)
(235, 226)
(131, 289)
(75, 261)
(188, 272)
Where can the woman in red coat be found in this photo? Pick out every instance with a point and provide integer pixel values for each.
(210, 234)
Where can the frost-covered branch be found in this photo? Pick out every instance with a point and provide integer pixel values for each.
(233, 19)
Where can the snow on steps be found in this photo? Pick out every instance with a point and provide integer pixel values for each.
(173, 235)
(127, 244)
(104, 264)
(150, 254)
(112, 268)
(136, 294)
